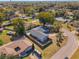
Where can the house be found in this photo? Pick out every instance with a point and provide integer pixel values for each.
(62, 19)
(1, 29)
(69, 15)
(42, 29)
(16, 47)
(10, 33)
(39, 36)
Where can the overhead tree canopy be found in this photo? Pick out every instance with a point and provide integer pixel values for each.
(19, 26)
(46, 17)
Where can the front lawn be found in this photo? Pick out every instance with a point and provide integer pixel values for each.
(4, 22)
(10, 27)
(4, 32)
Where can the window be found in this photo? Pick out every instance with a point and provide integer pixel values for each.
(17, 49)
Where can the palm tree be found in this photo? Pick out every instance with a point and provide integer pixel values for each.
(57, 25)
(60, 38)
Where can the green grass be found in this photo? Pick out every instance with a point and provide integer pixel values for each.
(1, 42)
(10, 27)
(4, 32)
(4, 22)
(4, 37)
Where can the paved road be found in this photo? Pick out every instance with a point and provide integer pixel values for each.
(69, 48)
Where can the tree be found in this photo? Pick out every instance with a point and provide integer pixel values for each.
(60, 38)
(1, 42)
(8, 14)
(29, 11)
(46, 17)
(1, 18)
(60, 13)
(41, 9)
(1, 10)
(57, 25)
(76, 15)
(19, 27)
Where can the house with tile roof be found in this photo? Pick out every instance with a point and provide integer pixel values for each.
(16, 47)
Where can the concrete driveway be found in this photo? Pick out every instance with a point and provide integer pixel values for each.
(69, 48)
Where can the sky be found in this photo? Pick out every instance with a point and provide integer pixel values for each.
(40, 0)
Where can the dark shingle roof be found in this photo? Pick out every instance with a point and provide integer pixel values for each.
(40, 36)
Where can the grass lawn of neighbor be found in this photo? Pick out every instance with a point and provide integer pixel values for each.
(4, 37)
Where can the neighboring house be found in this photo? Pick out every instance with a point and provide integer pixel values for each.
(16, 47)
(62, 19)
(69, 15)
(1, 29)
(11, 33)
